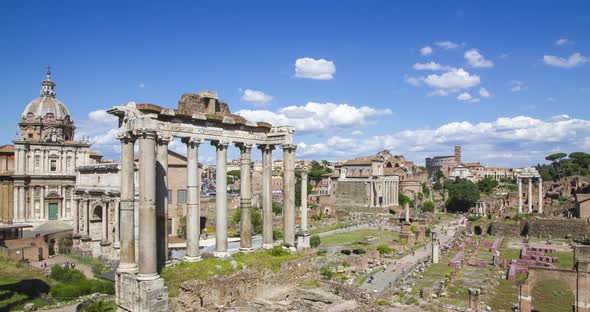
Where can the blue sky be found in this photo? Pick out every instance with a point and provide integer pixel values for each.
(357, 90)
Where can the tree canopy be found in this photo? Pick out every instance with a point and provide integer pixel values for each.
(486, 185)
(578, 163)
(463, 194)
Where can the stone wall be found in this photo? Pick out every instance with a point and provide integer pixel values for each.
(240, 288)
(505, 229)
(557, 228)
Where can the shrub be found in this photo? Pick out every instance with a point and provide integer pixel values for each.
(277, 234)
(278, 251)
(428, 206)
(326, 272)
(314, 241)
(72, 284)
(100, 306)
(322, 252)
(384, 249)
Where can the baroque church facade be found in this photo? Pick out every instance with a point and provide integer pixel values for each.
(45, 160)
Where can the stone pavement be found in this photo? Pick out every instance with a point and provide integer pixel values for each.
(382, 280)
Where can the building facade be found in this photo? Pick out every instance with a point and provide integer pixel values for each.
(6, 183)
(45, 158)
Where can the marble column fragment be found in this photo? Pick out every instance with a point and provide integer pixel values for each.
(540, 196)
(267, 214)
(162, 199)
(126, 218)
(221, 199)
(148, 255)
(193, 218)
(530, 196)
(245, 198)
(289, 194)
(519, 195)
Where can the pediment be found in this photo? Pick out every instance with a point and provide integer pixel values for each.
(53, 195)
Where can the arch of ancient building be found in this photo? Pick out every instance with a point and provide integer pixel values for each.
(199, 118)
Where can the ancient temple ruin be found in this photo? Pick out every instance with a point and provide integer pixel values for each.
(198, 118)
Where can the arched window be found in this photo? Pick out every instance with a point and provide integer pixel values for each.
(97, 213)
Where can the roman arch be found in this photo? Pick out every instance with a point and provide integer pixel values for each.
(199, 118)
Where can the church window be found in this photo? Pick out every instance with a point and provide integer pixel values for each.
(53, 165)
(37, 161)
(181, 197)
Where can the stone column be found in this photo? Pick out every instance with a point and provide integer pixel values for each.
(148, 269)
(31, 210)
(407, 212)
(371, 199)
(435, 248)
(87, 219)
(221, 199)
(15, 205)
(245, 198)
(289, 194)
(75, 217)
(193, 217)
(162, 199)
(540, 195)
(267, 214)
(127, 217)
(530, 197)
(116, 240)
(21, 203)
(519, 195)
(303, 237)
(105, 223)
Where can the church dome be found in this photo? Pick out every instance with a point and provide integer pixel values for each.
(47, 103)
(46, 119)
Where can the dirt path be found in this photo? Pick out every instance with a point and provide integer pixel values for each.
(60, 260)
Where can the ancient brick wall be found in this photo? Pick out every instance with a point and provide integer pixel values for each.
(505, 229)
(557, 228)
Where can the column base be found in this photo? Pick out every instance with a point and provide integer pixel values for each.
(117, 245)
(105, 243)
(147, 277)
(267, 246)
(168, 263)
(192, 258)
(303, 241)
(134, 295)
(246, 250)
(127, 268)
(221, 254)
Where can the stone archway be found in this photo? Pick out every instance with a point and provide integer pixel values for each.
(477, 230)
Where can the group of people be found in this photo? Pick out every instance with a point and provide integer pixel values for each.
(66, 265)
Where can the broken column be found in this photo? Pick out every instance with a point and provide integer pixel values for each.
(289, 194)
(435, 247)
(303, 240)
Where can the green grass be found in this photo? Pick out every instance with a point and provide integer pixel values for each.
(503, 296)
(260, 260)
(511, 253)
(318, 227)
(552, 295)
(377, 237)
(98, 267)
(19, 284)
(566, 259)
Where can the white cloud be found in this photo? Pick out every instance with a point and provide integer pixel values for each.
(483, 92)
(563, 41)
(427, 50)
(432, 66)
(255, 97)
(455, 79)
(517, 86)
(447, 45)
(507, 141)
(101, 129)
(317, 116)
(572, 61)
(141, 85)
(412, 80)
(357, 132)
(475, 59)
(438, 92)
(466, 97)
(314, 69)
